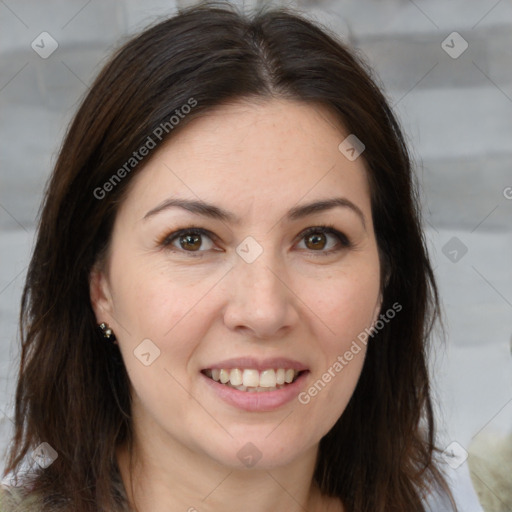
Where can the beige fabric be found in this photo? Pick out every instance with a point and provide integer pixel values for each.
(21, 498)
(15, 499)
(490, 462)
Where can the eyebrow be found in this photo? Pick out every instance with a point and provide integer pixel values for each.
(215, 212)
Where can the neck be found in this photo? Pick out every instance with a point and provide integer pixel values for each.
(169, 477)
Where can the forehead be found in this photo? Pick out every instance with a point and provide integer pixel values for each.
(253, 158)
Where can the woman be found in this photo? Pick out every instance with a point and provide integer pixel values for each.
(229, 301)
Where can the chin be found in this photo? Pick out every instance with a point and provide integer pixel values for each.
(256, 452)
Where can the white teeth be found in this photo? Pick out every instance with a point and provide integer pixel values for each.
(252, 380)
(268, 379)
(235, 377)
(288, 376)
(224, 376)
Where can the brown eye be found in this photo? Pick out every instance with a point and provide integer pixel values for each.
(192, 242)
(316, 241)
(189, 240)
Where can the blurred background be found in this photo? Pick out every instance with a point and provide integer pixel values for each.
(446, 67)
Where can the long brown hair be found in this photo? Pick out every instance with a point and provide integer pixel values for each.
(73, 391)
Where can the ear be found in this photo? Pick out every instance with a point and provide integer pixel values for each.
(101, 297)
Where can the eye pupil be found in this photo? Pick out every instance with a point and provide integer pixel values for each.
(196, 243)
(315, 239)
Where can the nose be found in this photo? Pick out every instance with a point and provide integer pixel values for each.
(261, 300)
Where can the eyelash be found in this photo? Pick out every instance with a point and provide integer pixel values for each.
(344, 241)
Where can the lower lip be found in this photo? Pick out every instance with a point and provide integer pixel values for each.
(257, 401)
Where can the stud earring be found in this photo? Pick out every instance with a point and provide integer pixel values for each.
(107, 332)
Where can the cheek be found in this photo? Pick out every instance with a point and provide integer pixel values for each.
(153, 298)
(340, 362)
(346, 303)
(346, 307)
(151, 304)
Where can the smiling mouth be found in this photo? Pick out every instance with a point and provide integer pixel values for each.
(252, 380)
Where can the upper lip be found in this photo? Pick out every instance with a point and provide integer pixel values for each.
(258, 364)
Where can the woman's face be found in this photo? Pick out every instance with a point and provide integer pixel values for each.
(251, 295)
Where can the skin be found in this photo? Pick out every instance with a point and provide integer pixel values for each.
(256, 160)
